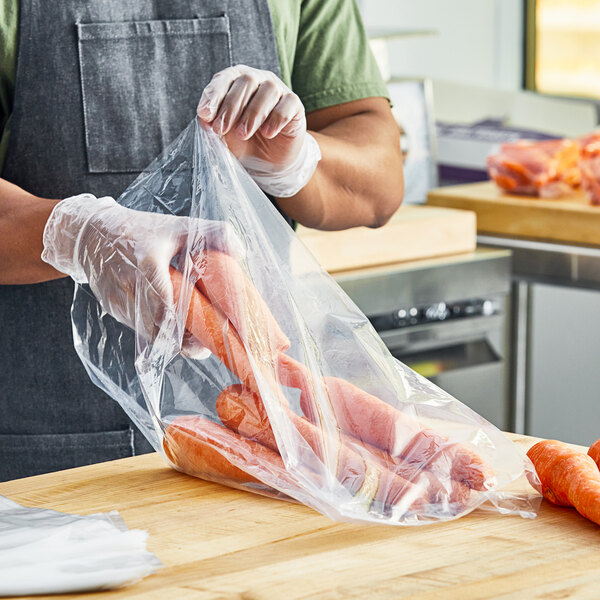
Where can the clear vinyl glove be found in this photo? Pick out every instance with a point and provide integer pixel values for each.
(264, 125)
(124, 256)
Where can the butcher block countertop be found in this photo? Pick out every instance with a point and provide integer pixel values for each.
(220, 543)
(413, 233)
(570, 220)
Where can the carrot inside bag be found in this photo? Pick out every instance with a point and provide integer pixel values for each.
(402, 458)
(298, 397)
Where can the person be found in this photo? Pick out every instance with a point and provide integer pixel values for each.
(89, 94)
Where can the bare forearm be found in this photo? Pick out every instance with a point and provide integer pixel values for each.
(22, 220)
(359, 179)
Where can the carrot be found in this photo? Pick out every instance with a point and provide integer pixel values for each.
(371, 420)
(214, 331)
(193, 444)
(364, 416)
(594, 452)
(210, 325)
(435, 478)
(244, 412)
(292, 373)
(201, 448)
(224, 283)
(433, 451)
(568, 477)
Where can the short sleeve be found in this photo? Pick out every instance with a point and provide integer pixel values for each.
(333, 62)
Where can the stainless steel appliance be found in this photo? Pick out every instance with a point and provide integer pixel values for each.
(556, 338)
(447, 318)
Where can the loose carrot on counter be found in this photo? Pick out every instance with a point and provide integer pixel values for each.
(568, 477)
(594, 452)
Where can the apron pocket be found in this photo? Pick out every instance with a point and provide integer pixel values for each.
(26, 455)
(141, 82)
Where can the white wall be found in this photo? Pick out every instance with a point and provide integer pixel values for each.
(479, 42)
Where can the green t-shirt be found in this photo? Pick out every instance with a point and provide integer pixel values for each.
(324, 55)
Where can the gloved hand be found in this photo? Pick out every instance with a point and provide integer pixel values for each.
(264, 125)
(125, 254)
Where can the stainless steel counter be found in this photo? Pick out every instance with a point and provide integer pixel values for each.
(553, 264)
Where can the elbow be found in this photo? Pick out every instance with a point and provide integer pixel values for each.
(385, 213)
(385, 208)
(391, 186)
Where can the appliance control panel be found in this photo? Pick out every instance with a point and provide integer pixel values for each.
(410, 316)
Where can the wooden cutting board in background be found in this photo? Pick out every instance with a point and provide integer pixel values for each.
(570, 219)
(415, 232)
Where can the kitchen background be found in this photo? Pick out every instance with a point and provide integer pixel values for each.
(512, 69)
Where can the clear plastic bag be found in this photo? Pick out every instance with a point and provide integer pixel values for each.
(298, 398)
(47, 552)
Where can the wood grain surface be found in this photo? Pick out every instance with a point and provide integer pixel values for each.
(569, 220)
(413, 233)
(219, 543)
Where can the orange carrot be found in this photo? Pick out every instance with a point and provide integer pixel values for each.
(244, 412)
(364, 416)
(292, 373)
(568, 477)
(435, 452)
(371, 420)
(434, 478)
(214, 331)
(192, 444)
(594, 452)
(202, 448)
(224, 283)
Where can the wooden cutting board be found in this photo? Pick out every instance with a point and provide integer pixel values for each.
(570, 219)
(220, 543)
(413, 233)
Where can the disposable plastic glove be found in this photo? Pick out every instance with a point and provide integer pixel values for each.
(125, 254)
(264, 125)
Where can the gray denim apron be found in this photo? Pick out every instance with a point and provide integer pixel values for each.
(102, 86)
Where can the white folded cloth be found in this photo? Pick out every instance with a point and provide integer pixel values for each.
(48, 552)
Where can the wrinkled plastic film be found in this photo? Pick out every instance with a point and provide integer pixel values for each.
(47, 552)
(297, 395)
